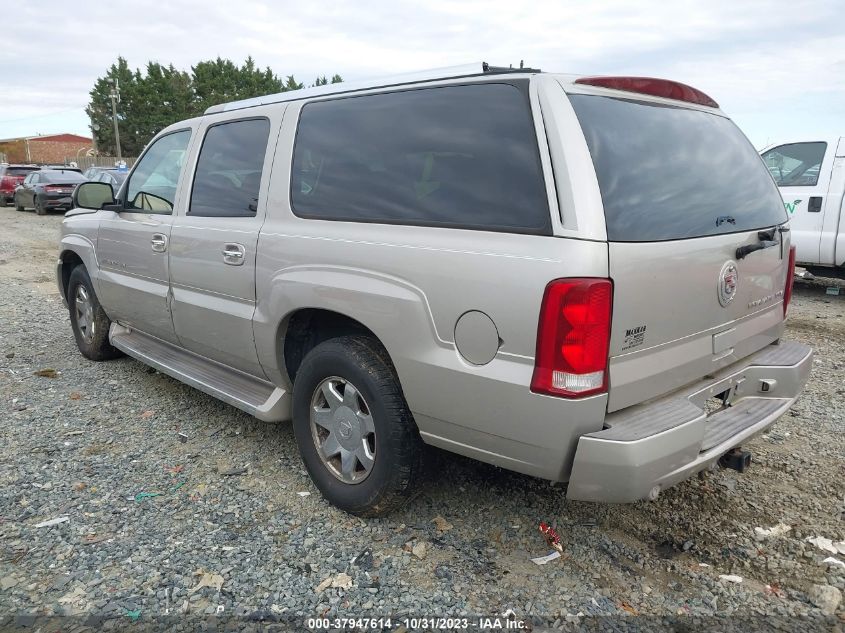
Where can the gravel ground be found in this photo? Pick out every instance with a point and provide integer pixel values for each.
(134, 459)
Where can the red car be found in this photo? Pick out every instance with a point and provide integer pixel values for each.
(10, 177)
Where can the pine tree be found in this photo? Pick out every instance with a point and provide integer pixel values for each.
(162, 95)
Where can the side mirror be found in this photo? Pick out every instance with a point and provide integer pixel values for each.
(93, 195)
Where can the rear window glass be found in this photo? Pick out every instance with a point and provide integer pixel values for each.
(456, 156)
(61, 176)
(19, 171)
(796, 164)
(670, 173)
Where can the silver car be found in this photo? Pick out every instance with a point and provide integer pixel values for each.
(580, 278)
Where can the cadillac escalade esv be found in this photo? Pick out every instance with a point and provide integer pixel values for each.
(580, 278)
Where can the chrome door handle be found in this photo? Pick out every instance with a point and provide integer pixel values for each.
(159, 242)
(233, 254)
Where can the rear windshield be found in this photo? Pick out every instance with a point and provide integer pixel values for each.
(19, 171)
(669, 172)
(61, 176)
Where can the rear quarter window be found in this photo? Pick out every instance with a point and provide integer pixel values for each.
(669, 172)
(453, 156)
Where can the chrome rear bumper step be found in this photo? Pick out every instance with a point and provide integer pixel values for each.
(649, 447)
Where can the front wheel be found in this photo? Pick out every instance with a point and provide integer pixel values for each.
(353, 427)
(18, 205)
(88, 319)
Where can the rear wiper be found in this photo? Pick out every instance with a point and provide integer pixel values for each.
(767, 240)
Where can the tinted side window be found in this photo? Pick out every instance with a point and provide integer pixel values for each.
(152, 186)
(796, 164)
(454, 156)
(229, 169)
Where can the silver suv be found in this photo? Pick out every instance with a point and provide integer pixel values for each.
(580, 278)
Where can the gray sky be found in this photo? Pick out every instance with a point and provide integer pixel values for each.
(776, 66)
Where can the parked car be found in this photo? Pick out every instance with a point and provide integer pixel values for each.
(47, 189)
(62, 168)
(113, 176)
(10, 177)
(467, 259)
(811, 178)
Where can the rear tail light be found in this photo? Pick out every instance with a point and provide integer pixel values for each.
(790, 280)
(654, 87)
(573, 337)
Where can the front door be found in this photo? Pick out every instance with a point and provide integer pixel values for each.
(213, 245)
(133, 242)
(802, 173)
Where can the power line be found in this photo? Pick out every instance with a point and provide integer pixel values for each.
(41, 116)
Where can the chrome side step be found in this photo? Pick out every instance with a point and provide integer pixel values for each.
(257, 397)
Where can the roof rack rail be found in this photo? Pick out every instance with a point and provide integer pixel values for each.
(449, 72)
(510, 69)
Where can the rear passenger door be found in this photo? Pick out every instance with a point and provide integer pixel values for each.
(213, 246)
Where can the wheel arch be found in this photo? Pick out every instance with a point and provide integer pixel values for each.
(74, 250)
(305, 328)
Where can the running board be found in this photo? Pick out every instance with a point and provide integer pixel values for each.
(253, 395)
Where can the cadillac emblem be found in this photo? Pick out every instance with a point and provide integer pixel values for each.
(728, 278)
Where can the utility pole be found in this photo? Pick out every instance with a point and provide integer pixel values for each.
(115, 99)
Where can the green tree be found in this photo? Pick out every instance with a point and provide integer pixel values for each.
(220, 81)
(162, 95)
(99, 109)
(291, 84)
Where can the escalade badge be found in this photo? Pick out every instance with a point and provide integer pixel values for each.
(728, 278)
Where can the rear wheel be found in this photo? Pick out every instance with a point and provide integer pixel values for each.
(88, 319)
(39, 207)
(355, 432)
(3, 201)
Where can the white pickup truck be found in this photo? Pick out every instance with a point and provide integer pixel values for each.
(811, 179)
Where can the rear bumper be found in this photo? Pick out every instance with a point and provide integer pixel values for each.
(649, 447)
(57, 201)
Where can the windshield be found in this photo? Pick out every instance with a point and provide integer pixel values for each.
(61, 176)
(669, 172)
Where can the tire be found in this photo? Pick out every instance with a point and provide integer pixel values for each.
(394, 442)
(18, 206)
(3, 201)
(86, 311)
(39, 206)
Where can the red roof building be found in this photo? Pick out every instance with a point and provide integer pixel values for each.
(49, 148)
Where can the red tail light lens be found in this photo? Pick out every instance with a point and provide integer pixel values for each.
(573, 337)
(790, 279)
(654, 87)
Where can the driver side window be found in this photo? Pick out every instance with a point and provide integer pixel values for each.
(152, 185)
